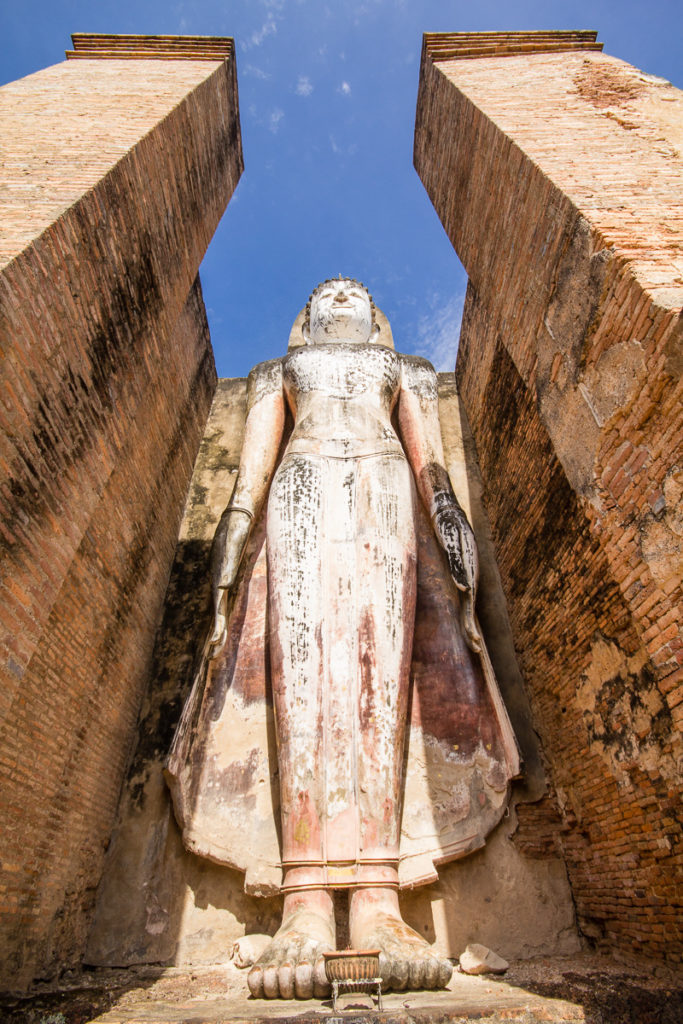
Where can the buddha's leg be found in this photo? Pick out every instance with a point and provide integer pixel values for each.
(292, 965)
(386, 592)
(386, 548)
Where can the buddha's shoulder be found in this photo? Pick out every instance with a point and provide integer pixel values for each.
(264, 378)
(418, 373)
(417, 364)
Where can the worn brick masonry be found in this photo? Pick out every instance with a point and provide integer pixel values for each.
(116, 173)
(556, 171)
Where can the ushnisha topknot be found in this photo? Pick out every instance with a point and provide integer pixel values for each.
(334, 280)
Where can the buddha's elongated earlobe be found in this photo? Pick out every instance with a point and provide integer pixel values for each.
(374, 334)
(306, 331)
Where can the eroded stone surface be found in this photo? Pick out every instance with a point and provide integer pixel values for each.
(461, 747)
(200, 907)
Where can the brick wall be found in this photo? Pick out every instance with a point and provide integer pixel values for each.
(557, 178)
(117, 174)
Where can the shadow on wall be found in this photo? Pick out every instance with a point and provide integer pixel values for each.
(152, 888)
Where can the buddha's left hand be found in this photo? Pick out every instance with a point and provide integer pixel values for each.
(457, 539)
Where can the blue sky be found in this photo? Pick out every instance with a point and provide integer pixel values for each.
(327, 103)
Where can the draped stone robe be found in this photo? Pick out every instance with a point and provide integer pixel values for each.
(345, 654)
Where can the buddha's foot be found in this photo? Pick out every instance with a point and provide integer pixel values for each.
(292, 966)
(406, 960)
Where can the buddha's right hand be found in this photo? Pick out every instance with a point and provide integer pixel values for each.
(220, 622)
(227, 551)
(470, 625)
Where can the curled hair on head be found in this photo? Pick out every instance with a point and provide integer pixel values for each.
(336, 280)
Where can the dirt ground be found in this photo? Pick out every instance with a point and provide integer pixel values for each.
(583, 988)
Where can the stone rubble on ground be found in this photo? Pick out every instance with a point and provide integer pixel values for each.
(478, 959)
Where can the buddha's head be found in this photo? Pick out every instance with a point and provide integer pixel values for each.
(340, 310)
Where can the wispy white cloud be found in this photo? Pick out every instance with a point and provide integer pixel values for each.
(438, 332)
(304, 87)
(269, 119)
(268, 28)
(345, 89)
(180, 11)
(274, 119)
(251, 69)
(341, 150)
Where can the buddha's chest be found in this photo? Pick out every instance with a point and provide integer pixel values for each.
(342, 371)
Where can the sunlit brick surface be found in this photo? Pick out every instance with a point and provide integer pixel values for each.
(559, 180)
(117, 173)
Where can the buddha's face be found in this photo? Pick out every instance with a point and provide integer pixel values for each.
(340, 311)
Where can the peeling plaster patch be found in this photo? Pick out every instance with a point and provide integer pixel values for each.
(498, 894)
(157, 917)
(625, 715)
(443, 789)
(615, 380)
(604, 86)
(214, 826)
(569, 412)
(673, 349)
(661, 537)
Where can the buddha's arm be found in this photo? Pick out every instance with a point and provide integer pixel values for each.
(262, 436)
(418, 418)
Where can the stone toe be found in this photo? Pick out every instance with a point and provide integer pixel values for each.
(255, 982)
(431, 972)
(271, 984)
(303, 983)
(286, 981)
(416, 973)
(400, 973)
(321, 986)
(445, 973)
